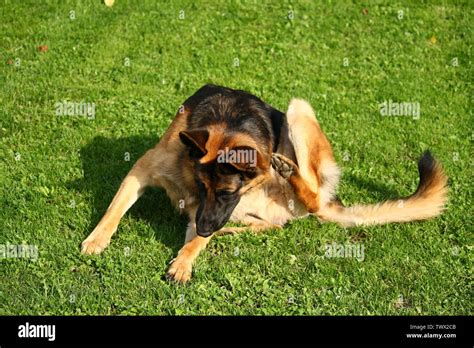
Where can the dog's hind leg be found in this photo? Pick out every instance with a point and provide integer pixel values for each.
(253, 227)
(290, 171)
(130, 190)
(315, 175)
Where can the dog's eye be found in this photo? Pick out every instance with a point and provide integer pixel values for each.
(224, 192)
(227, 169)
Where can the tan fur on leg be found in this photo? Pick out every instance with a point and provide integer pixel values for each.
(130, 190)
(290, 171)
(256, 228)
(182, 266)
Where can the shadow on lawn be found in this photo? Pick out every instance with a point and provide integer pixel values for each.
(104, 165)
(377, 191)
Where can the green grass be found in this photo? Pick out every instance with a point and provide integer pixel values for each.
(70, 166)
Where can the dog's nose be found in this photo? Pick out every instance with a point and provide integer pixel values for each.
(204, 229)
(204, 232)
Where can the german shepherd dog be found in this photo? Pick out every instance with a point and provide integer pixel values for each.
(229, 156)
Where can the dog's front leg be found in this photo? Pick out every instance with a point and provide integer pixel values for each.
(130, 190)
(182, 266)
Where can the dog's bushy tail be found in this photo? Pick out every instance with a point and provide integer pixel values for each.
(428, 201)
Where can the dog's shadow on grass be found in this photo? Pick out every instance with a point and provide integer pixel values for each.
(377, 190)
(105, 163)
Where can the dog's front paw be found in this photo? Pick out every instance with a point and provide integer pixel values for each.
(93, 246)
(180, 271)
(283, 165)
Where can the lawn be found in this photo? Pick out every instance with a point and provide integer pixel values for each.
(136, 62)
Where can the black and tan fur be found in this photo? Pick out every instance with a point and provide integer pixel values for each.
(295, 174)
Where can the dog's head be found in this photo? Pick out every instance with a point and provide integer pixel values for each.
(226, 165)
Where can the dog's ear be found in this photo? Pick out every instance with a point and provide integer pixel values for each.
(196, 140)
(247, 159)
